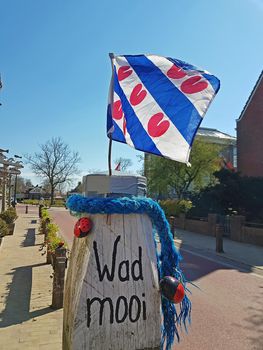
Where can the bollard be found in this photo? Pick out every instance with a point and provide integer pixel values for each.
(59, 266)
(172, 224)
(26, 209)
(219, 238)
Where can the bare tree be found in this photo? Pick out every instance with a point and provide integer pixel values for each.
(55, 162)
(123, 163)
(22, 184)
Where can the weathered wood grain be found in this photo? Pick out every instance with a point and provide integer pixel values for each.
(130, 315)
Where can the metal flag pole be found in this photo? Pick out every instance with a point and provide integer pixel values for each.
(110, 100)
(109, 155)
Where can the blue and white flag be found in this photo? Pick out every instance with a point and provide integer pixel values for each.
(156, 104)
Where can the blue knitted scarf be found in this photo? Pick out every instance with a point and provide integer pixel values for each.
(168, 260)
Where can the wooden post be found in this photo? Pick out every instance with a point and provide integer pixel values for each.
(49, 257)
(59, 265)
(26, 209)
(112, 299)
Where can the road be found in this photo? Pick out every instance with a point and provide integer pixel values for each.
(227, 300)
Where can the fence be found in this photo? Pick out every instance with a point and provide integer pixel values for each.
(234, 227)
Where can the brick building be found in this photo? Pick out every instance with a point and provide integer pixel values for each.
(250, 133)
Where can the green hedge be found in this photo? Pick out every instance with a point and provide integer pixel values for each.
(9, 215)
(46, 202)
(53, 240)
(4, 230)
(174, 207)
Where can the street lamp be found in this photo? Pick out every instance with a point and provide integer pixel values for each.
(14, 171)
(18, 165)
(6, 163)
(2, 174)
(5, 172)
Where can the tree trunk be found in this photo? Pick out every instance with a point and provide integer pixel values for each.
(52, 200)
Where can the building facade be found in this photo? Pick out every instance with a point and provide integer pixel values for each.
(250, 134)
(228, 143)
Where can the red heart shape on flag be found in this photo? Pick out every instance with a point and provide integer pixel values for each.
(157, 127)
(117, 110)
(194, 85)
(124, 72)
(176, 72)
(137, 95)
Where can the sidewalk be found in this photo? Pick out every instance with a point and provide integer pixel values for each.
(26, 320)
(243, 253)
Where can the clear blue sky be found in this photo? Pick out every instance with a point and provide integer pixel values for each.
(56, 71)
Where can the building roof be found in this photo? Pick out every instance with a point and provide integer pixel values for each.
(251, 96)
(216, 136)
(36, 189)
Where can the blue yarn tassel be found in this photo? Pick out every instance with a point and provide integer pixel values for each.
(168, 260)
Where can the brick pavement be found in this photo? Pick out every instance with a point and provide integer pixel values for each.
(26, 319)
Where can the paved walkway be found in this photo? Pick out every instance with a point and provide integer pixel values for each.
(248, 254)
(26, 320)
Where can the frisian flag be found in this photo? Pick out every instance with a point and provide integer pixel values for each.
(156, 104)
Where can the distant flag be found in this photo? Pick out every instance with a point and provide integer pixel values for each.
(156, 104)
(118, 167)
(227, 165)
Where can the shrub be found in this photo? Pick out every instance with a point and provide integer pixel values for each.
(30, 201)
(59, 203)
(4, 230)
(46, 202)
(45, 218)
(174, 207)
(9, 216)
(51, 230)
(53, 240)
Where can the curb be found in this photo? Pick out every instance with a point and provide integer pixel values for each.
(214, 254)
(1, 242)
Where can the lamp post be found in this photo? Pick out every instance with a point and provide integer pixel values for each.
(14, 171)
(17, 167)
(6, 163)
(9, 189)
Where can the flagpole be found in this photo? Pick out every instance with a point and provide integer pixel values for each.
(110, 135)
(109, 155)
